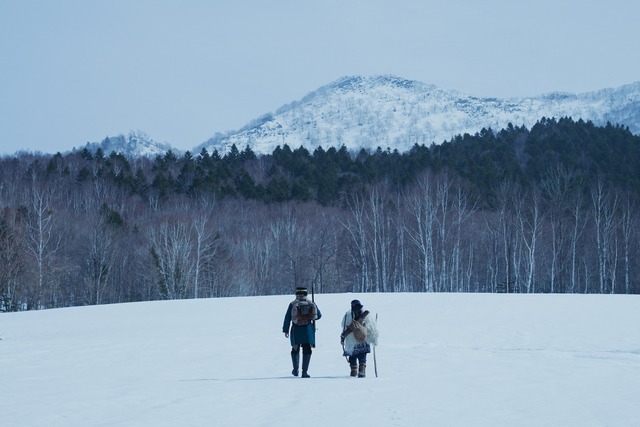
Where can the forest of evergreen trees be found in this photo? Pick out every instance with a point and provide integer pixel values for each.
(547, 209)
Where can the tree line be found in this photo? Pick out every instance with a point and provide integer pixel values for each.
(546, 209)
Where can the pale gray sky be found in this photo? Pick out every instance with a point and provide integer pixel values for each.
(73, 71)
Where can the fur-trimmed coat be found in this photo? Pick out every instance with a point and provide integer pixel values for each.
(351, 345)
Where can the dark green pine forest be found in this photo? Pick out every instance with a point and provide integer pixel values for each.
(549, 209)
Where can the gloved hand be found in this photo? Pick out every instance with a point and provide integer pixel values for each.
(286, 334)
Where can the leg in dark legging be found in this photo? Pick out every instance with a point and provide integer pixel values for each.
(306, 358)
(353, 364)
(295, 359)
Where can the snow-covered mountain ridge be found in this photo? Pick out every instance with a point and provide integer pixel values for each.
(136, 144)
(391, 112)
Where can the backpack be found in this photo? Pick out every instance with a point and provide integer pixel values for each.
(303, 312)
(358, 328)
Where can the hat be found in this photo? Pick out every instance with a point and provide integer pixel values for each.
(301, 290)
(356, 305)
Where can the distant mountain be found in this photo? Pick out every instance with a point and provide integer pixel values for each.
(136, 144)
(388, 111)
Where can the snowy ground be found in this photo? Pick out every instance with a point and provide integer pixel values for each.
(443, 360)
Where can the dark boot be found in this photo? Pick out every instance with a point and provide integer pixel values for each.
(295, 360)
(361, 370)
(354, 370)
(305, 365)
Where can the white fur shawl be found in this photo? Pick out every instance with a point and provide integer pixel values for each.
(369, 323)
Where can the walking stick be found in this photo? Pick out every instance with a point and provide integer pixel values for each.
(375, 363)
(313, 300)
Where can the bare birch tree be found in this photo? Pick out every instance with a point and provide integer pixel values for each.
(628, 225)
(171, 251)
(292, 237)
(205, 247)
(100, 257)
(42, 241)
(443, 187)
(401, 284)
(529, 218)
(355, 226)
(605, 205)
(12, 263)
(506, 195)
(324, 248)
(380, 224)
(463, 208)
(578, 223)
(421, 203)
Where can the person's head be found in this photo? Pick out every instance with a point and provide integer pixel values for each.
(301, 292)
(356, 305)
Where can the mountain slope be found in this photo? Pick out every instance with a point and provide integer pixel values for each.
(387, 111)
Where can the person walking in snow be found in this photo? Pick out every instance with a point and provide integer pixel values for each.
(299, 327)
(359, 333)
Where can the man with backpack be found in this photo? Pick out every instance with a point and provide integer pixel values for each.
(299, 327)
(359, 333)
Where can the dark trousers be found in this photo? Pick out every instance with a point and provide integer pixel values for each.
(306, 348)
(358, 358)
